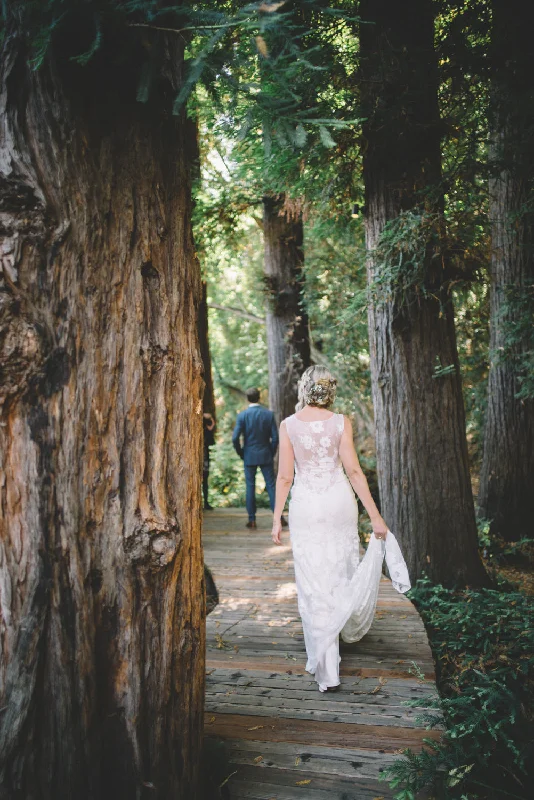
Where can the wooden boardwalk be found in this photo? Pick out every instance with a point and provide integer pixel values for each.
(285, 739)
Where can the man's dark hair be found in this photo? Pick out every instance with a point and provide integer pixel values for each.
(253, 395)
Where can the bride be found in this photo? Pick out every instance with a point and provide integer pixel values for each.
(337, 593)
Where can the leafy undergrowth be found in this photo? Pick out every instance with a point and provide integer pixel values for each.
(483, 644)
(512, 562)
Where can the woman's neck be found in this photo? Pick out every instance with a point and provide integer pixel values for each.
(312, 413)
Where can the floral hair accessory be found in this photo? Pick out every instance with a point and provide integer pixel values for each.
(322, 392)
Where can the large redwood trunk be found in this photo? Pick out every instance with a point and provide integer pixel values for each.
(506, 495)
(101, 580)
(288, 342)
(423, 473)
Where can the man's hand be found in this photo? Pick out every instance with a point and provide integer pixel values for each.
(276, 531)
(211, 422)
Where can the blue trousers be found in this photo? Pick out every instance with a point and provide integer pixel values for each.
(250, 480)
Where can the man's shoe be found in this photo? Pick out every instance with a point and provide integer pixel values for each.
(207, 507)
(284, 522)
(251, 523)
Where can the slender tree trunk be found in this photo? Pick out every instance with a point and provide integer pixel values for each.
(422, 463)
(203, 327)
(101, 569)
(203, 337)
(212, 595)
(506, 495)
(288, 342)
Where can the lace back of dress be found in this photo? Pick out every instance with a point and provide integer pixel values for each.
(316, 448)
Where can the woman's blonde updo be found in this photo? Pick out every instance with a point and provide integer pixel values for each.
(317, 387)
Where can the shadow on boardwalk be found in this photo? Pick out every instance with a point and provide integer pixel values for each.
(284, 738)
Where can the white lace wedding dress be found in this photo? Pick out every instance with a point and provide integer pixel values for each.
(337, 593)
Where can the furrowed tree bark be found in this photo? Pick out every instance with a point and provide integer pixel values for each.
(101, 568)
(422, 463)
(288, 341)
(506, 495)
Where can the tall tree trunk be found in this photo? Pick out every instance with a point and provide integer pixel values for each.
(204, 342)
(288, 342)
(203, 326)
(422, 463)
(506, 495)
(101, 569)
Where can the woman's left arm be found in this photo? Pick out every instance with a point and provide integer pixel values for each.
(350, 461)
(286, 465)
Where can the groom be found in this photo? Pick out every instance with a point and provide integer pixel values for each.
(257, 425)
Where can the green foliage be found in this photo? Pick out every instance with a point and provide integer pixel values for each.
(497, 552)
(278, 110)
(336, 300)
(231, 250)
(248, 150)
(421, 252)
(462, 43)
(264, 61)
(483, 643)
(238, 343)
(409, 250)
(282, 155)
(471, 303)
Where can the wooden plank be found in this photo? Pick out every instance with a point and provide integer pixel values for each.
(290, 649)
(249, 791)
(282, 603)
(372, 691)
(237, 661)
(253, 681)
(329, 734)
(310, 758)
(344, 702)
(400, 661)
(284, 785)
(255, 624)
(409, 649)
(385, 716)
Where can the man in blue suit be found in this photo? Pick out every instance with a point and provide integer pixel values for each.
(257, 426)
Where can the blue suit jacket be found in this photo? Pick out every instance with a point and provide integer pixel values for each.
(257, 426)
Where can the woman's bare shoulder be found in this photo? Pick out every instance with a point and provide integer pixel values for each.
(347, 424)
(286, 426)
(287, 420)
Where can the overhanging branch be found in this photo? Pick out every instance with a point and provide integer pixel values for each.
(238, 312)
